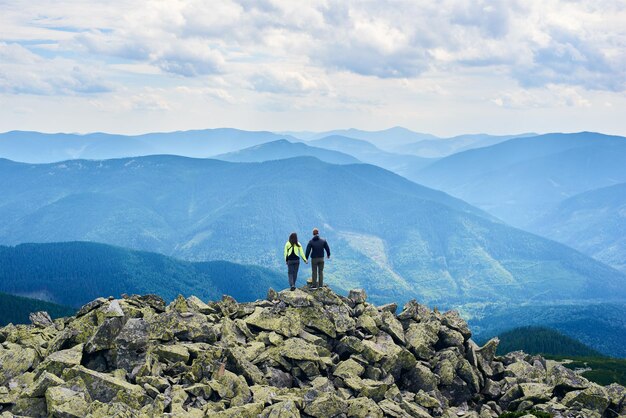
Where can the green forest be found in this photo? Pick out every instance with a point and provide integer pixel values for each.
(542, 340)
(556, 346)
(74, 273)
(15, 309)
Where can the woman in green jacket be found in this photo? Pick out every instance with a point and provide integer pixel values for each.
(293, 252)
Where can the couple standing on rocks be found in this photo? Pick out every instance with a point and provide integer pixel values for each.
(293, 252)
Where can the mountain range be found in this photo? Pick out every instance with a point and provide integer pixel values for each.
(442, 147)
(393, 237)
(369, 153)
(282, 149)
(37, 147)
(593, 222)
(521, 179)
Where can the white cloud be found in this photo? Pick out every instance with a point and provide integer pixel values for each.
(516, 53)
(22, 71)
(553, 96)
(287, 82)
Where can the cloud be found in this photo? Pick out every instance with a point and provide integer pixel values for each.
(286, 82)
(391, 58)
(23, 72)
(551, 97)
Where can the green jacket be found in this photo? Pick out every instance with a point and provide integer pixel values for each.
(289, 249)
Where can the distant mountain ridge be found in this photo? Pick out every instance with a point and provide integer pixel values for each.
(396, 239)
(593, 222)
(437, 148)
(37, 147)
(521, 179)
(282, 149)
(367, 152)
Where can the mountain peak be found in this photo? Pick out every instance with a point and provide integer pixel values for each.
(308, 351)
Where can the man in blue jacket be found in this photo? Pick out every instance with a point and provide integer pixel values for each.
(315, 249)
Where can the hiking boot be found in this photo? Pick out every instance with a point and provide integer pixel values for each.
(292, 288)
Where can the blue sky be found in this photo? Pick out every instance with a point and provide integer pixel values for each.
(444, 67)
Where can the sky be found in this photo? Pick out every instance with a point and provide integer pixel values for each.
(445, 67)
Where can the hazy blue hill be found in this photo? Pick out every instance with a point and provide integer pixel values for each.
(74, 273)
(387, 139)
(542, 340)
(593, 222)
(522, 178)
(393, 237)
(281, 149)
(15, 309)
(369, 153)
(442, 147)
(37, 147)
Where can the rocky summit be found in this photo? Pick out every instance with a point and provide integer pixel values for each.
(306, 353)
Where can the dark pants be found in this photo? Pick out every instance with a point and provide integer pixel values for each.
(317, 264)
(292, 271)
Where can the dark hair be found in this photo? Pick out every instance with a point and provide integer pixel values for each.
(293, 239)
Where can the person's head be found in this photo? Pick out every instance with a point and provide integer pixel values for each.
(316, 231)
(293, 238)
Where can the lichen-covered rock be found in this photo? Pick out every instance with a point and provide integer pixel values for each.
(105, 387)
(66, 403)
(296, 299)
(594, 398)
(285, 409)
(38, 388)
(15, 360)
(40, 319)
(392, 326)
(422, 337)
(306, 353)
(287, 324)
(357, 296)
(172, 353)
(363, 408)
(326, 405)
(30, 407)
(61, 360)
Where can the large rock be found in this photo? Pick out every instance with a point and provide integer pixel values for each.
(420, 378)
(422, 337)
(287, 324)
(231, 387)
(312, 317)
(61, 360)
(65, 403)
(40, 319)
(284, 409)
(392, 326)
(306, 353)
(453, 320)
(296, 299)
(15, 360)
(131, 344)
(363, 408)
(326, 405)
(38, 388)
(357, 296)
(105, 387)
(594, 398)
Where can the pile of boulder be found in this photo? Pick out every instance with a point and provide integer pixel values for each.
(302, 353)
